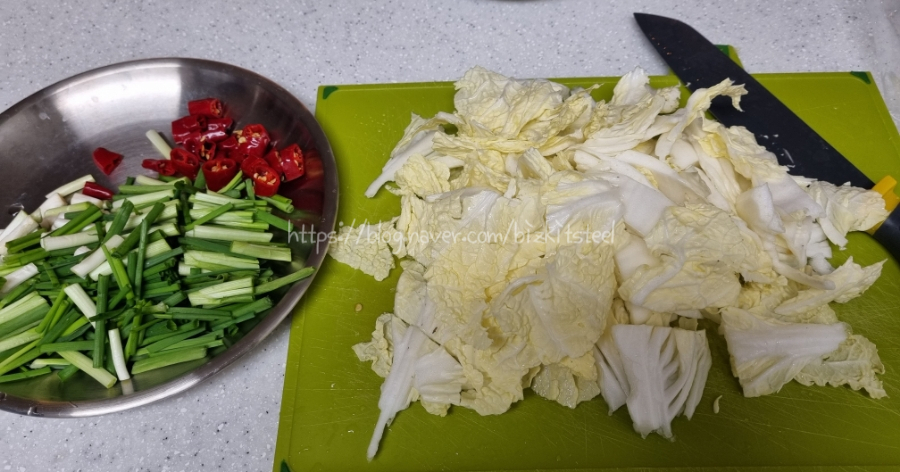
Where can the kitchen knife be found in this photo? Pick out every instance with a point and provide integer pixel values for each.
(701, 64)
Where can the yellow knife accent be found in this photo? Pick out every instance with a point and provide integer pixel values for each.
(885, 187)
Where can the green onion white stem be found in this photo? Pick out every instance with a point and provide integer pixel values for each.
(16, 278)
(244, 216)
(52, 243)
(260, 251)
(87, 365)
(118, 356)
(17, 220)
(82, 250)
(159, 143)
(153, 249)
(167, 359)
(22, 306)
(216, 261)
(20, 339)
(82, 198)
(168, 229)
(71, 208)
(97, 258)
(48, 362)
(53, 201)
(82, 301)
(228, 234)
(142, 199)
(72, 187)
(26, 226)
(144, 180)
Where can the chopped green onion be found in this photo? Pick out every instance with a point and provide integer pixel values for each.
(24, 375)
(283, 281)
(159, 143)
(167, 359)
(216, 261)
(67, 209)
(99, 343)
(19, 339)
(51, 243)
(273, 220)
(19, 308)
(67, 346)
(85, 364)
(118, 356)
(18, 277)
(280, 203)
(67, 372)
(48, 362)
(146, 198)
(96, 259)
(209, 216)
(144, 180)
(71, 187)
(119, 222)
(227, 234)
(81, 299)
(260, 251)
(81, 221)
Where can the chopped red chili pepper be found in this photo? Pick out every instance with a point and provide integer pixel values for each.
(163, 166)
(107, 160)
(206, 107)
(219, 172)
(253, 140)
(273, 161)
(265, 180)
(184, 126)
(228, 148)
(93, 189)
(195, 144)
(192, 142)
(292, 165)
(217, 129)
(250, 162)
(185, 162)
(207, 150)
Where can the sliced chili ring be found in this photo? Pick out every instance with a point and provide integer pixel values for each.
(219, 172)
(248, 164)
(206, 107)
(184, 126)
(195, 144)
(106, 160)
(185, 162)
(217, 129)
(265, 180)
(163, 166)
(253, 140)
(274, 161)
(95, 190)
(292, 164)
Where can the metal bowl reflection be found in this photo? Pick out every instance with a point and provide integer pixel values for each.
(46, 140)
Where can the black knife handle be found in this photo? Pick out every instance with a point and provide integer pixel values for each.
(889, 234)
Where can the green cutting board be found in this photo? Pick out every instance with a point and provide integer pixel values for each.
(330, 399)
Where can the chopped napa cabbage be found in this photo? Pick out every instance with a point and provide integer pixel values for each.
(658, 372)
(551, 241)
(767, 354)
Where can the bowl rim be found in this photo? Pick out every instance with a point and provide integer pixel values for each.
(284, 307)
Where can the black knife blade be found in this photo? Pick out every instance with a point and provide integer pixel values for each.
(700, 64)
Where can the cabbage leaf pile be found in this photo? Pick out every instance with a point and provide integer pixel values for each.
(554, 242)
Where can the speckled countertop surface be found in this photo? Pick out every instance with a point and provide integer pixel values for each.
(230, 421)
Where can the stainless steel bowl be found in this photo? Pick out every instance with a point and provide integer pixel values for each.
(46, 140)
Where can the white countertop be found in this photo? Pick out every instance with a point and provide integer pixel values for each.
(230, 421)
